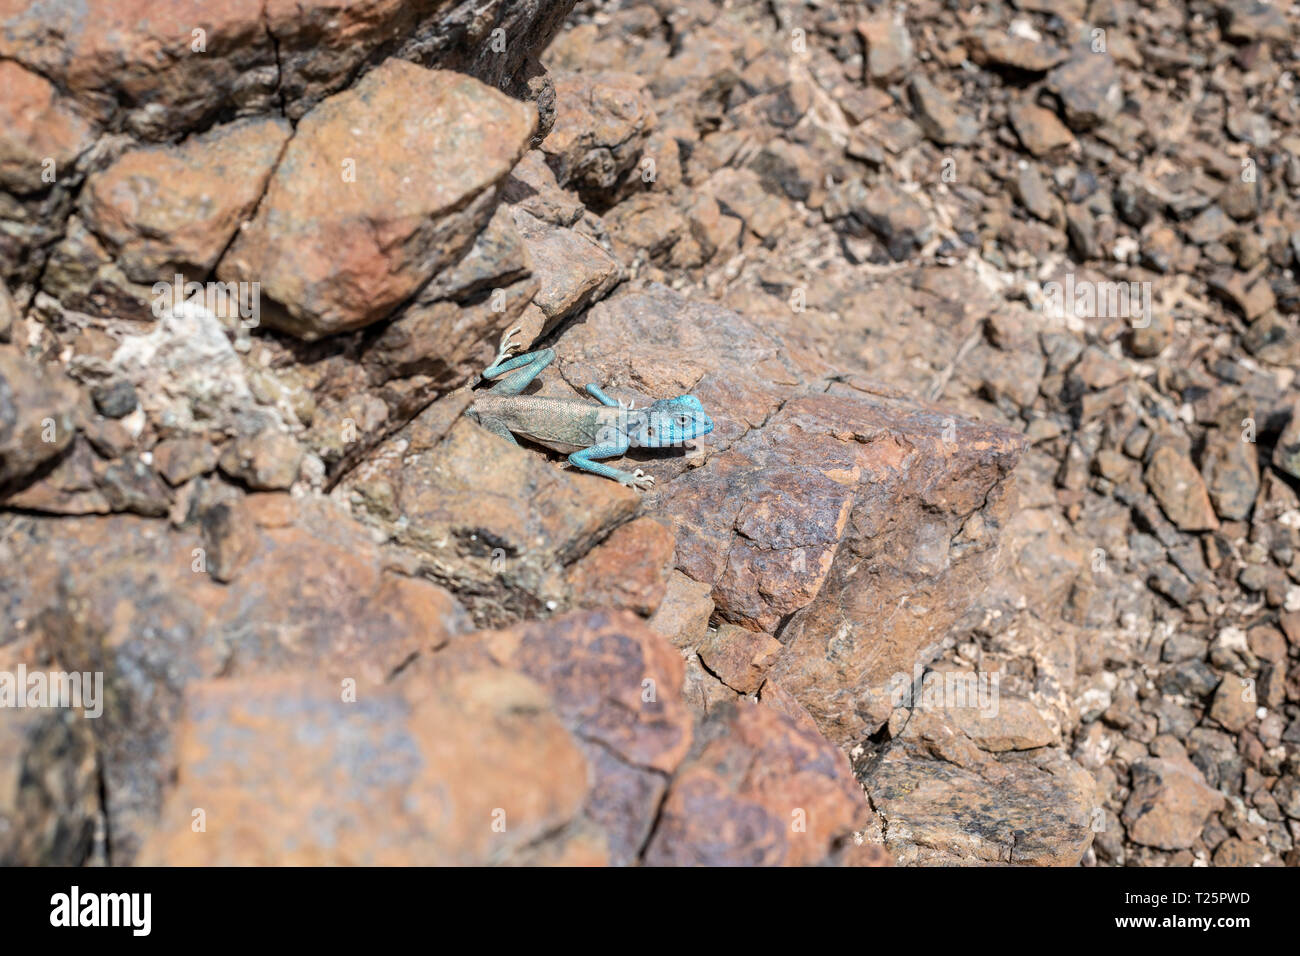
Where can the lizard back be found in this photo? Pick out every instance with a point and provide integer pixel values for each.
(561, 424)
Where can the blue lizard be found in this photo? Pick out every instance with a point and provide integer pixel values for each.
(585, 431)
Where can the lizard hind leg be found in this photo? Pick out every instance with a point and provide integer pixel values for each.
(497, 428)
(522, 370)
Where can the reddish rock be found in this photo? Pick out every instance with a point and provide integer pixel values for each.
(1088, 86)
(376, 193)
(1230, 468)
(429, 348)
(739, 657)
(36, 416)
(1179, 488)
(267, 460)
(110, 51)
(180, 459)
(497, 259)
(1169, 803)
(532, 187)
(888, 48)
(1251, 297)
(939, 115)
(602, 121)
(628, 570)
(684, 613)
(758, 790)
(1234, 703)
(573, 272)
(286, 772)
(996, 47)
(646, 225)
(130, 57)
(36, 126)
(1235, 852)
(174, 209)
(617, 686)
(129, 597)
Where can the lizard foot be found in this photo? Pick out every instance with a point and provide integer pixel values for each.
(639, 480)
(507, 348)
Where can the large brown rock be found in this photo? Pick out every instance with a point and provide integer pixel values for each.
(858, 521)
(131, 598)
(759, 789)
(286, 772)
(946, 801)
(617, 687)
(163, 70)
(381, 187)
(173, 209)
(601, 125)
(1169, 803)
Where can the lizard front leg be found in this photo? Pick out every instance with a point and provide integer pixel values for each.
(599, 395)
(583, 459)
(525, 367)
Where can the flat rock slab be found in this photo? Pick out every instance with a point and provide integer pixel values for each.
(495, 521)
(853, 523)
(945, 801)
(381, 187)
(288, 773)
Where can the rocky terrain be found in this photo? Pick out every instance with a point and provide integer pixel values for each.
(993, 557)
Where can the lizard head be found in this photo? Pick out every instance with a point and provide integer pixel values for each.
(670, 422)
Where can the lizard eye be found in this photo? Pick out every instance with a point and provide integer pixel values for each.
(684, 420)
